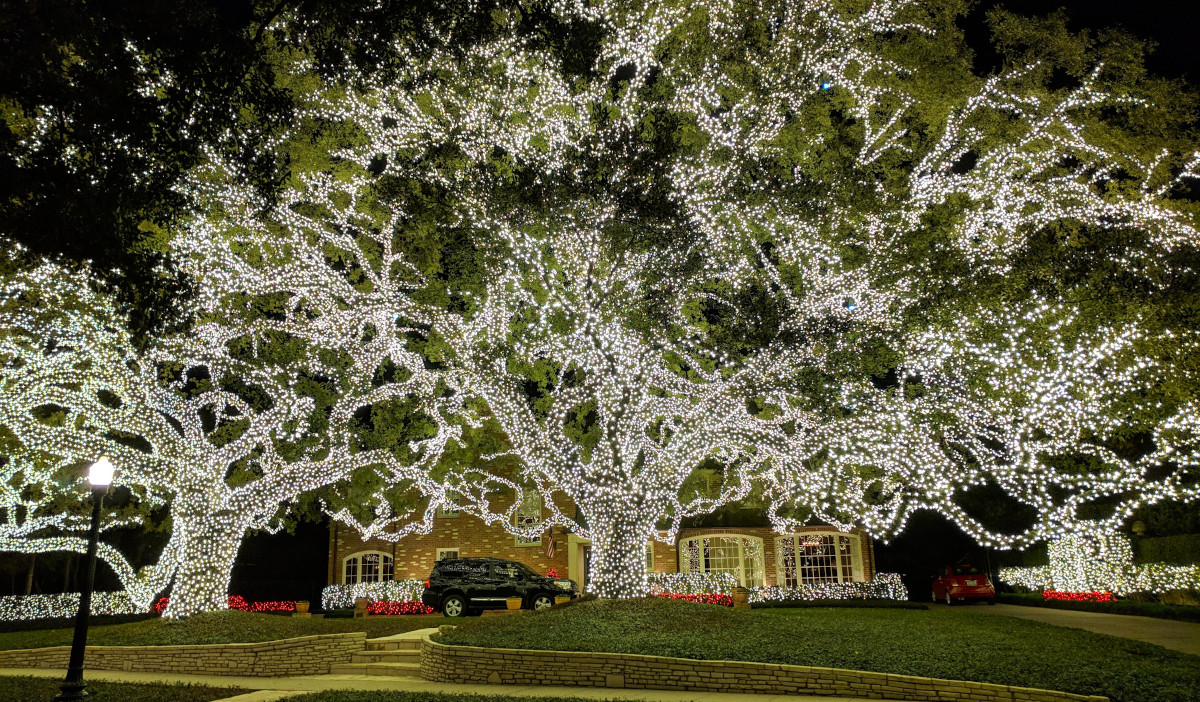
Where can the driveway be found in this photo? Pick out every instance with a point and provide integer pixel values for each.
(1177, 636)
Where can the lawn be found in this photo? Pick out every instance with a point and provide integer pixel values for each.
(215, 627)
(24, 689)
(934, 643)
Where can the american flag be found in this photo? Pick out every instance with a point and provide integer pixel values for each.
(550, 545)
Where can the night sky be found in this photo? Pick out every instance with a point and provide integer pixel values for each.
(1172, 24)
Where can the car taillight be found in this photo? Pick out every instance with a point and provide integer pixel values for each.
(426, 584)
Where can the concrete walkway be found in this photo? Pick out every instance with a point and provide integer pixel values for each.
(271, 689)
(1177, 636)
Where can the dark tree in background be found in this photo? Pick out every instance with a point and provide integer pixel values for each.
(105, 106)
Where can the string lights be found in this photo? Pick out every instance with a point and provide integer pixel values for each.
(1085, 564)
(74, 387)
(671, 263)
(606, 364)
(341, 596)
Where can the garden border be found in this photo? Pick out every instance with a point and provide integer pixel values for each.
(304, 655)
(476, 665)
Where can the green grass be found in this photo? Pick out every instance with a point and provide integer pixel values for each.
(214, 627)
(391, 696)
(24, 689)
(934, 643)
(1183, 613)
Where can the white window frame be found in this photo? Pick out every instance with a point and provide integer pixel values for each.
(525, 512)
(744, 572)
(649, 556)
(442, 551)
(854, 542)
(387, 567)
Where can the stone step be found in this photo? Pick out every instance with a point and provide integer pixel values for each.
(391, 670)
(385, 656)
(393, 644)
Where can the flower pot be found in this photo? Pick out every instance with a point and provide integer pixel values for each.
(741, 598)
(513, 602)
(301, 607)
(562, 599)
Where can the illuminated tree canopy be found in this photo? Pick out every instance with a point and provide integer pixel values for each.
(798, 241)
(600, 251)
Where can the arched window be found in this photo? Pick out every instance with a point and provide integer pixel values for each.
(740, 556)
(818, 557)
(367, 567)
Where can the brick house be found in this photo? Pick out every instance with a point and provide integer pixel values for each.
(755, 555)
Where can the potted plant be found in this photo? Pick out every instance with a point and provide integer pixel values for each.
(301, 606)
(513, 602)
(741, 598)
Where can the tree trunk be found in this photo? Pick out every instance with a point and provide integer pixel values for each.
(618, 566)
(29, 574)
(209, 546)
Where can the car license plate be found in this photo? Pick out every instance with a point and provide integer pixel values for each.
(972, 583)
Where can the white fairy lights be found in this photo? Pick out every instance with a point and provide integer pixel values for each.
(621, 331)
(66, 349)
(1102, 563)
(342, 596)
(15, 608)
(408, 248)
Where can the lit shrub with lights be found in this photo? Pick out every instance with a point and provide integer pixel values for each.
(341, 596)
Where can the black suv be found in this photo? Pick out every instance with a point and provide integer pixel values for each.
(460, 587)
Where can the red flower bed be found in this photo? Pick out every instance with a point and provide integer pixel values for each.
(273, 606)
(239, 603)
(1079, 596)
(410, 607)
(711, 598)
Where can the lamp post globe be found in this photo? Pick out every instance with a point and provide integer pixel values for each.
(100, 475)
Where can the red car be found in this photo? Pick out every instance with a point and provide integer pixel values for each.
(963, 582)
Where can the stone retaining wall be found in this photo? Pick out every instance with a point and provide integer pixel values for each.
(470, 664)
(307, 655)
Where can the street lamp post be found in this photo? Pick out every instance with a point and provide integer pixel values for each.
(100, 475)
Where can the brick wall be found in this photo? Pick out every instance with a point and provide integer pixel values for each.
(472, 665)
(307, 655)
(414, 555)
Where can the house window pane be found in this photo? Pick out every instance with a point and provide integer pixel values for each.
(351, 575)
(370, 568)
(812, 558)
(740, 556)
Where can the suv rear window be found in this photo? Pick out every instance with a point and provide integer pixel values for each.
(460, 567)
(966, 570)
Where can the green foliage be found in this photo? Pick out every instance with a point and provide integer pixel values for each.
(935, 643)
(1182, 549)
(25, 688)
(838, 604)
(398, 696)
(229, 626)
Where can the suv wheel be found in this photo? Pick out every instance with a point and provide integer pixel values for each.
(542, 601)
(454, 606)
